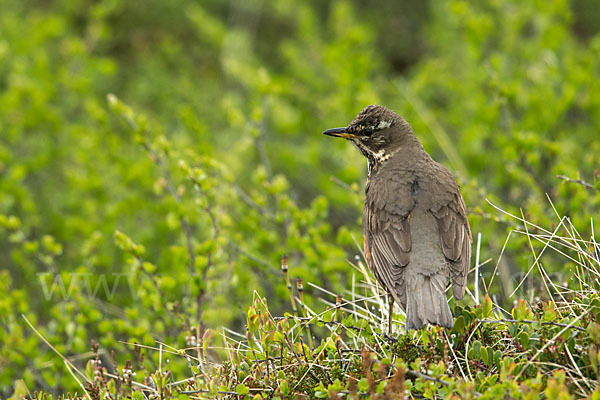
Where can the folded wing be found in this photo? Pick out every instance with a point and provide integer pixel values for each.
(455, 238)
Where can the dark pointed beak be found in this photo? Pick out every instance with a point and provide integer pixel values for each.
(338, 132)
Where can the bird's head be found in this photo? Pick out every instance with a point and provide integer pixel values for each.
(376, 131)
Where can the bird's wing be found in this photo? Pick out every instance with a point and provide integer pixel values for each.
(387, 241)
(455, 237)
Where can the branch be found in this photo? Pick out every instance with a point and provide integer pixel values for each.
(209, 259)
(157, 159)
(514, 321)
(152, 279)
(577, 181)
(252, 204)
(343, 184)
(171, 189)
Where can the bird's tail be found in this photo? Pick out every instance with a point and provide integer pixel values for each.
(426, 302)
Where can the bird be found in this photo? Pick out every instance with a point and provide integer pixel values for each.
(417, 238)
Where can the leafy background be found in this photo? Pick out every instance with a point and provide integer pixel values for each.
(175, 148)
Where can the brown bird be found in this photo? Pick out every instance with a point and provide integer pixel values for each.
(416, 234)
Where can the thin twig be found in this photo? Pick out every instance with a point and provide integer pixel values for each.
(209, 258)
(426, 377)
(343, 184)
(577, 181)
(524, 321)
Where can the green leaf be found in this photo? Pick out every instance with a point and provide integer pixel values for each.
(241, 389)
(486, 306)
(477, 349)
(137, 395)
(363, 385)
(524, 339)
(484, 355)
(284, 386)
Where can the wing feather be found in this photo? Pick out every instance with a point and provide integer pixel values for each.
(455, 237)
(387, 240)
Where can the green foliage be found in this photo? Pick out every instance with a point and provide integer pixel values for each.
(158, 158)
(486, 358)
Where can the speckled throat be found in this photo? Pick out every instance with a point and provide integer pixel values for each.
(374, 159)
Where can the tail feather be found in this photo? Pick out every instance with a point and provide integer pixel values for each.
(427, 302)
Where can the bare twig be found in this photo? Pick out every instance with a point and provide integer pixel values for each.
(578, 181)
(524, 321)
(426, 377)
(343, 184)
(254, 258)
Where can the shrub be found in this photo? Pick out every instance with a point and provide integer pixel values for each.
(157, 217)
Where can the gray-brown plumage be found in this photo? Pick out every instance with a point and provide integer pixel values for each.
(417, 237)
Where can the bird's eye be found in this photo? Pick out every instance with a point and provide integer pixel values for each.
(368, 132)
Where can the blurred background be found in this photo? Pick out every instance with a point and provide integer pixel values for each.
(158, 158)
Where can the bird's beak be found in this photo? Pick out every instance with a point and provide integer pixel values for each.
(338, 132)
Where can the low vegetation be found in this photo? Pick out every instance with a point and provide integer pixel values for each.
(158, 158)
(539, 348)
